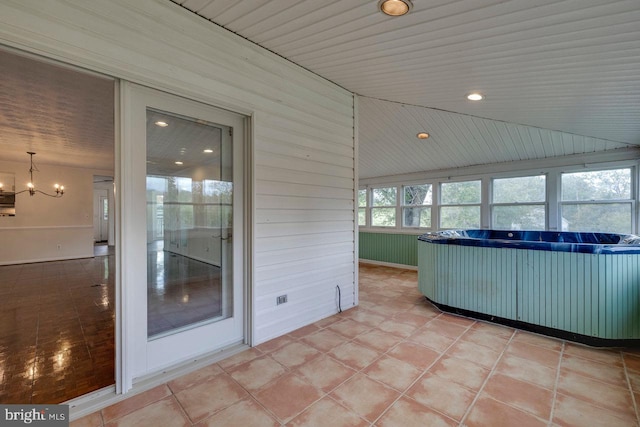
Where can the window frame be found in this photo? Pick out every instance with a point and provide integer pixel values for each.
(402, 205)
(372, 206)
(448, 205)
(544, 204)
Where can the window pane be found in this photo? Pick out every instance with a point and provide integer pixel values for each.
(384, 196)
(460, 193)
(519, 190)
(460, 217)
(383, 217)
(362, 198)
(416, 217)
(521, 217)
(362, 216)
(597, 185)
(607, 218)
(417, 194)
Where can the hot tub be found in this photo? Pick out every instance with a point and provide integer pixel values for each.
(579, 286)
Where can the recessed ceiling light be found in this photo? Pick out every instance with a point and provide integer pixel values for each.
(179, 162)
(208, 150)
(161, 124)
(395, 7)
(422, 135)
(475, 96)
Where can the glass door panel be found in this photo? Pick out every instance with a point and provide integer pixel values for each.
(189, 213)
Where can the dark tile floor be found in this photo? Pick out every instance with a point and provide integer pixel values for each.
(56, 329)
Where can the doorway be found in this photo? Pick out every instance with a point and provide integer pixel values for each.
(184, 240)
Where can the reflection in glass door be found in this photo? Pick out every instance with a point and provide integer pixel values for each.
(189, 195)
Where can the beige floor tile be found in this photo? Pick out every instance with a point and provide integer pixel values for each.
(445, 328)
(397, 328)
(519, 394)
(165, 413)
(367, 317)
(411, 319)
(327, 412)
(354, 355)
(488, 412)
(243, 413)
(475, 353)
(417, 355)
(603, 355)
(91, 420)
(596, 392)
(210, 396)
(134, 403)
(457, 320)
(366, 397)
(295, 354)
(442, 395)
(393, 372)
(304, 331)
(541, 355)
(527, 370)
(432, 339)
(539, 340)
(378, 340)
(495, 342)
(609, 373)
(348, 328)
(257, 373)
(194, 378)
(460, 371)
(274, 344)
(323, 340)
(325, 373)
(288, 396)
(409, 413)
(572, 412)
(240, 358)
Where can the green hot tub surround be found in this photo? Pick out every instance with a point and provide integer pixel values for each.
(579, 286)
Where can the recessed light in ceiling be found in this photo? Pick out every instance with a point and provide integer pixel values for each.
(208, 150)
(161, 124)
(422, 135)
(179, 162)
(475, 96)
(395, 7)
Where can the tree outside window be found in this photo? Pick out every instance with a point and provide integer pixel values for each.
(460, 204)
(416, 205)
(383, 208)
(598, 201)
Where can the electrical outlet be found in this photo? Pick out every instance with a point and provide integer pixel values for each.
(281, 299)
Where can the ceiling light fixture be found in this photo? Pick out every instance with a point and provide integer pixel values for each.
(422, 135)
(179, 162)
(475, 96)
(208, 150)
(395, 7)
(31, 187)
(161, 124)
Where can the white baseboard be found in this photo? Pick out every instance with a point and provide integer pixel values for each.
(388, 264)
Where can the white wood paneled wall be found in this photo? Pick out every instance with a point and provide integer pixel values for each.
(302, 129)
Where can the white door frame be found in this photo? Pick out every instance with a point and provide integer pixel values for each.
(139, 358)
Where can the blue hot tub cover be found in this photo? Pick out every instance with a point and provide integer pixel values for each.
(564, 241)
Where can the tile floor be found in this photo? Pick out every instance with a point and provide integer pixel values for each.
(56, 329)
(397, 361)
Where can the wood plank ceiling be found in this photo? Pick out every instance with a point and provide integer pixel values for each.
(560, 77)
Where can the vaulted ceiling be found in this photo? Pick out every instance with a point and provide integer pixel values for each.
(560, 77)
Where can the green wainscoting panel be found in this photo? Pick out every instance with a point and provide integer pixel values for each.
(595, 295)
(391, 248)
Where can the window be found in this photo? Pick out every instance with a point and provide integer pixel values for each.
(519, 203)
(460, 204)
(383, 209)
(362, 207)
(597, 201)
(416, 206)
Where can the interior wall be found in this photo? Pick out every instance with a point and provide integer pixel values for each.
(302, 163)
(108, 187)
(46, 228)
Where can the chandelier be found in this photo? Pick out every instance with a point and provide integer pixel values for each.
(31, 187)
